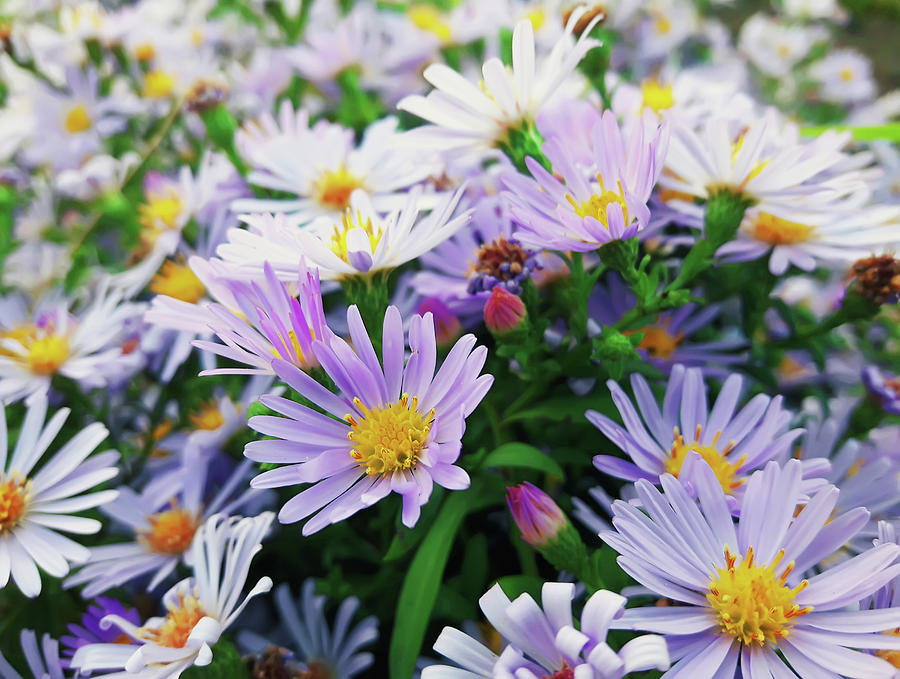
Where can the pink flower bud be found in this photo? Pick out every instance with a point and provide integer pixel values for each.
(503, 311)
(535, 513)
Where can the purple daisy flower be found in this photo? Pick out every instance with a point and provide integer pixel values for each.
(742, 598)
(90, 631)
(398, 425)
(593, 205)
(883, 388)
(546, 643)
(273, 323)
(732, 444)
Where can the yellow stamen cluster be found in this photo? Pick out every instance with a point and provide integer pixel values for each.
(178, 281)
(726, 472)
(658, 342)
(13, 502)
(46, 354)
(171, 531)
(145, 52)
(389, 438)
(209, 417)
(180, 621)
(428, 18)
(160, 211)
(350, 221)
(597, 204)
(334, 187)
(158, 85)
(656, 96)
(77, 120)
(777, 231)
(752, 603)
(892, 656)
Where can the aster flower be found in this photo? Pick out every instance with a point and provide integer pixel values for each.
(883, 388)
(775, 47)
(844, 76)
(198, 609)
(733, 444)
(464, 116)
(35, 505)
(43, 660)
(591, 206)
(163, 521)
(269, 322)
(89, 346)
(321, 649)
(808, 239)
(361, 242)
(546, 643)
(279, 157)
(742, 598)
(90, 630)
(398, 428)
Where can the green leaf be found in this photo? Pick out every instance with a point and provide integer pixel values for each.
(522, 455)
(515, 585)
(423, 580)
(889, 132)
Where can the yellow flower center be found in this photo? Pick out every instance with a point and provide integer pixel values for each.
(658, 342)
(428, 18)
(158, 85)
(13, 501)
(663, 25)
(178, 625)
(752, 603)
(334, 187)
(724, 470)
(160, 211)
(209, 417)
(283, 350)
(145, 52)
(46, 354)
(777, 231)
(348, 222)
(171, 532)
(656, 96)
(596, 205)
(892, 656)
(537, 17)
(846, 75)
(389, 438)
(77, 120)
(178, 281)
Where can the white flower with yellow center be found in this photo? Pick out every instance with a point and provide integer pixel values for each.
(845, 77)
(34, 505)
(465, 115)
(198, 609)
(360, 242)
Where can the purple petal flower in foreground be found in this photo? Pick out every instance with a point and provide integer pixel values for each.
(591, 206)
(545, 643)
(90, 631)
(743, 600)
(274, 323)
(733, 444)
(398, 429)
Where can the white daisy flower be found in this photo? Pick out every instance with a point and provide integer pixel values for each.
(90, 346)
(198, 609)
(163, 521)
(323, 166)
(774, 47)
(844, 76)
(360, 242)
(464, 115)
(764, 161)
(34, 506)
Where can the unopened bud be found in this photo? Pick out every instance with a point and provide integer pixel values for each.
(877, 279)
(504, 311)
(205, 95)
(536, 514)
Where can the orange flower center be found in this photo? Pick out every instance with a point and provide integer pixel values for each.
(777, 231)
(171, 531)
(178, 625)
(334, 187)
(13, 501)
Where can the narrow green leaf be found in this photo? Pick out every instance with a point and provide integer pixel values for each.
(523, 455)
(423, 580)
(889, 132)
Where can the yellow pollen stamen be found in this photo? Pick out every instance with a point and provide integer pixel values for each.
(178, 624)
(334, 187)
(429, 19)
(171, 531)
(658, 342)
(145, 52)
(178, 281)
(158, 85)
(537, 17)
(846, 75)
(46, 354)
(348, 222)
(389, 438)
(13, 502)
(656, 96)
(209, 417)
(752, 603)
(777, 231)
(77, 120)
(892, 656)
(597, 204)
(726, 472)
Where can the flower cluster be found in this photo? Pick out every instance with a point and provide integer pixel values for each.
(448, 339)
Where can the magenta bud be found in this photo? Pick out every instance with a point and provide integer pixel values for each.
(538, 517)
